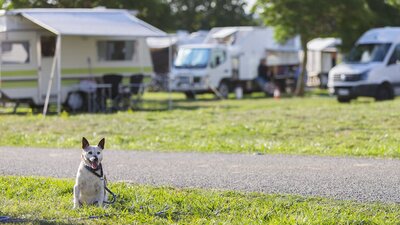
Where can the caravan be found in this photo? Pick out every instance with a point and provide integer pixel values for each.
(228, 60)
(371, 69)
(74, 46)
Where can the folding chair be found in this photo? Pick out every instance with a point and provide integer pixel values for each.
(115, 81)
(136, 89)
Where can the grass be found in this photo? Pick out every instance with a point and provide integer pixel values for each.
(311, 125)
(49, 201)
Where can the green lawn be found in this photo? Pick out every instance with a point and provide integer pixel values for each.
(311, 125)
(49, 201)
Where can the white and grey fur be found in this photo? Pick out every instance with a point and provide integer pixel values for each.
(89, 189)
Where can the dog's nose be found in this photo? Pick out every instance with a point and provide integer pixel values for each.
(94, 159)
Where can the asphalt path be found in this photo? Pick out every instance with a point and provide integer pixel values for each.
(360, 179)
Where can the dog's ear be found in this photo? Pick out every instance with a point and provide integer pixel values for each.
(101, 143)
(85, 143)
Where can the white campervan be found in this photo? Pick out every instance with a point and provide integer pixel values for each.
(371, 69)
(228, 60)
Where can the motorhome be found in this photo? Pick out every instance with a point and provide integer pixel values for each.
(228, 60)
(371, 68)
(73, 46)
(323, 55)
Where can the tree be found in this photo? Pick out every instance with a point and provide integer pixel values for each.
(311, 19)
(195, 15)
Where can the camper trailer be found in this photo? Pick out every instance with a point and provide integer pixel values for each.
(371, 68)
(58, 55)
(323, 55)
(228, 60)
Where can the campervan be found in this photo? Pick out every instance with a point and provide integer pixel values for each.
(228, 60)
(73, 46)
(371, 68)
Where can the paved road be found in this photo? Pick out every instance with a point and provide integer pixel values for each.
(341, 178)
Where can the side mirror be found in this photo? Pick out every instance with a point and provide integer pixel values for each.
(393, 61)
(217, 61)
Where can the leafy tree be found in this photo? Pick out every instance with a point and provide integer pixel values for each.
(195, 15)
(313, 18)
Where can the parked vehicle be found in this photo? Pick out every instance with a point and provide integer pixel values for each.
(75, 46)
(228, 60)
(323, 55)
(371, 69)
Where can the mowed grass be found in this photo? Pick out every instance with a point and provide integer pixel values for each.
(49, 201)
(310, 125)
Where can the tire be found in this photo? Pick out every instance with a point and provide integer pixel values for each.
(344, 99)
(190, 95)
(76, 102)
(384, 92)
(223, 89)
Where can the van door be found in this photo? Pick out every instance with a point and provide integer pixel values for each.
(47, 50)
(220, 67)
(393, 70)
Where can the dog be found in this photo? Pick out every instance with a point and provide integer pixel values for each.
(90, 184)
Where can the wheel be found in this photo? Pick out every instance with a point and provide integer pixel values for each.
(384, 92)
(223, 89)
(343, 99)
(76, 102)
(190, 95)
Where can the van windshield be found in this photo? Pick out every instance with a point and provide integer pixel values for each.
(365, 53)
(192, 58)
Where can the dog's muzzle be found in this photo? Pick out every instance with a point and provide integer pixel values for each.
(94, 162)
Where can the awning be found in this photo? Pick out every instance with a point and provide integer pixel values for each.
(321, 44)
(90, 22)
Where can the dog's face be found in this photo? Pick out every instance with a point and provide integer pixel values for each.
(92, 155)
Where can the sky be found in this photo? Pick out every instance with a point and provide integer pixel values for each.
(250, 3)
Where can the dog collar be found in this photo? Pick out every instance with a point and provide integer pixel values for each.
(94, 170)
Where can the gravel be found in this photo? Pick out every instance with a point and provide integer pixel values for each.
(360, 179)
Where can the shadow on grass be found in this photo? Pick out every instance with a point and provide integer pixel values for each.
(71, 221)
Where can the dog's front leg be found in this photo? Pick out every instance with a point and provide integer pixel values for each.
(76, 197)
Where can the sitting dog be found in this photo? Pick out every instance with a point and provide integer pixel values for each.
(90, 185)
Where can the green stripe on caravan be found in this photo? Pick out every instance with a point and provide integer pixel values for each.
(19, 84)
(18, 73)
(107, 70)
(81, 71)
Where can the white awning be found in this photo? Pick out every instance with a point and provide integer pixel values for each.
(90, 22)
(320, 44)
(225, 32)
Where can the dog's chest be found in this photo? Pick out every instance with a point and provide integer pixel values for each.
(89, 184)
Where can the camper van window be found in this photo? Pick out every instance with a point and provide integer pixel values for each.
(48, 45)
(15, 52)
(219, 57)
(115, 50)
(395, 58)
(365, 53)
(192, 58)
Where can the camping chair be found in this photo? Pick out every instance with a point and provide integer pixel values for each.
(133, 92)
(115, 81)
(136, 89)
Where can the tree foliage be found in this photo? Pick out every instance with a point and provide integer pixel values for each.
(205, 14)
(168, 15)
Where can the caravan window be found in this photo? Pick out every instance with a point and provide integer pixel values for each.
(115, 50)
(15, 52)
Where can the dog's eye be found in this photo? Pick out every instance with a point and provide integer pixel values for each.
(98, 153)
(90, 153)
